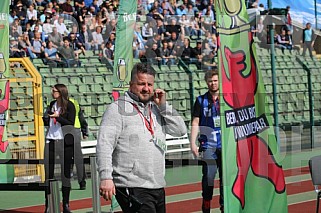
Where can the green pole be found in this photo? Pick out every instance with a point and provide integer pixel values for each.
(275, 99)
(311, 108)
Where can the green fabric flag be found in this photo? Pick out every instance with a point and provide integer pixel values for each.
(123, 59)
(6, 170)
(252, 173)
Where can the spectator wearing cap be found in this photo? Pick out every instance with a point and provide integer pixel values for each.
(47, 13)
(14, 51)
(22, 14)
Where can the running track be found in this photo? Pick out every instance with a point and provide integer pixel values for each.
(192, 205)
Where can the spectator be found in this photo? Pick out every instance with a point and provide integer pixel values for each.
(173, 27)
(208, 62)
(156, 39)
(209, 12)
(111, 13)
(51, 55)
(147, 30)
(160, 29)
(85, 37)
(56, 38)
(12, 16)
(153, 55)
(67, 8)
(32, 14)
(22, 14)
(138, 48)
(47, 27)
(16, 24)
(186, 52)
(173, 37)
(283, 41)
(110, 28)
(196, 55)
(288, 20)
(167, 58)
(108, 53)
(76, 44)
(186, 25)
(61, 27)
(181, 10)
(97, 39)
(36, 47)
(14, 51)
(308, 38)
(78, 5)
(68, 54)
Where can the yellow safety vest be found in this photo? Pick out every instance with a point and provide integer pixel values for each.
(77, 122)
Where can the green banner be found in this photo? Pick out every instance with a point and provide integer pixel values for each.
(6, 170)
(123, 59)
(252, 173)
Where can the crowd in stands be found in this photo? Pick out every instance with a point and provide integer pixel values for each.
(58, 31)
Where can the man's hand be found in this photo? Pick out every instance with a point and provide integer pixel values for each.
(194, 150)
(107, 189)
(159, 97)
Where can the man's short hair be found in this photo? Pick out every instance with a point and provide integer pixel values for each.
(143, 68)
(210, 74)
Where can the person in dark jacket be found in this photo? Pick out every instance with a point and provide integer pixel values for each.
(60, 119)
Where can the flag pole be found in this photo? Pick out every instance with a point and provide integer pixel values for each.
(275, 98)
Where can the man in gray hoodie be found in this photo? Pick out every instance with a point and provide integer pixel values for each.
(131, 144)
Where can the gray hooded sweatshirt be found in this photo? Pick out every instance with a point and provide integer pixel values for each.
(126, 152)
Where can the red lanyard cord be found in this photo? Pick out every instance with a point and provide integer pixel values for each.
(148, 124)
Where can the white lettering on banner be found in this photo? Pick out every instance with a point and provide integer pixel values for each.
(129, 17)
(3, 17)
